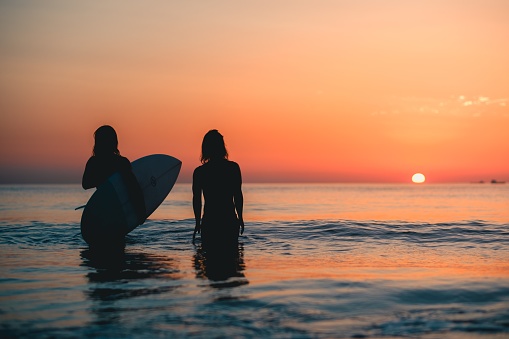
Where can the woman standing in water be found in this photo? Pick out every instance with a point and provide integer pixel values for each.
(105, 161)
(220, 181)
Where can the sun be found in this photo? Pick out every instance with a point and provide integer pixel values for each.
(418, 178)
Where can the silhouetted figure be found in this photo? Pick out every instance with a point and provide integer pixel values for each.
(220, 181)
(105, 161)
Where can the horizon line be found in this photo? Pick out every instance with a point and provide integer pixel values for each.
(479, 182)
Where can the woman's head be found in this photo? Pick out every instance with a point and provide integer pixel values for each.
(213, 147)
(106, 142)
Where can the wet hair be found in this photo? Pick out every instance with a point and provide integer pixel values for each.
(213, 147)
(106, 142)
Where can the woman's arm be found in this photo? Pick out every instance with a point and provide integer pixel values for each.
(89, 180)
(238, 198)
(197, 189)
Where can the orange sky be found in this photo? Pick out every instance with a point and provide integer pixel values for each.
(348, 91)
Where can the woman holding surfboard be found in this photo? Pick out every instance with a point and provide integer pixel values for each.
(105, 161)
(220, 181)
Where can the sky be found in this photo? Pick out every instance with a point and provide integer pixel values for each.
(303, 91)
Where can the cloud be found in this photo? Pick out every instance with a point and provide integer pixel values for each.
(459, 105)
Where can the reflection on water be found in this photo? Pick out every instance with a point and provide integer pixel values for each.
(118, 276)
(115, 268)
(222, 268)
(121, 282)
(117, 264)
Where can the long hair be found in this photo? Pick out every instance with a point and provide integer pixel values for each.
(106, 142)
(213, 147)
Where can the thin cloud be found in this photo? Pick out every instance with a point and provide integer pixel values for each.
(473, 106)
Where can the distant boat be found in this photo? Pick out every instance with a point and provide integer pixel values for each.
(497, 182)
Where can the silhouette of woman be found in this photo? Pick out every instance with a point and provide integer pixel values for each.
(221, 183)
(105, 161)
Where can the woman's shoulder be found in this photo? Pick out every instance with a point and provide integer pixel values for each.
(123, 162)
(93, 161)
(233, 164)
(115, 157)
(220, 164)
(122, 159)
(199, 169)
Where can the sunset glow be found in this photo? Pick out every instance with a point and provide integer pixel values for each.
(347, 91)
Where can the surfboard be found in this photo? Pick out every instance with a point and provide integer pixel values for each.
(109, 213)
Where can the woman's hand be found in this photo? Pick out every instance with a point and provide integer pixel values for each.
(241, 223)
(197, 229)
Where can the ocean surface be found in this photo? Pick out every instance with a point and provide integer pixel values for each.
(315, 261)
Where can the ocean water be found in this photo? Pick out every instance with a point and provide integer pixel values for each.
(315, 261)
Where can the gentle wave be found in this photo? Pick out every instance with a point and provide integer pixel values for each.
(158, 231)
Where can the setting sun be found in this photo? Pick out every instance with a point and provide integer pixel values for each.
(418, 178)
